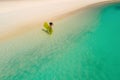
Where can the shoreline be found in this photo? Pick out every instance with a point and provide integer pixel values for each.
(38, 23)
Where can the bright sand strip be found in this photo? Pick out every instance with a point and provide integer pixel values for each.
(17, 17)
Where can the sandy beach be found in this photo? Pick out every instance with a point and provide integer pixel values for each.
(17, 17)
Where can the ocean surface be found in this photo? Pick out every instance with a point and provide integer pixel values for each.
(84, 46)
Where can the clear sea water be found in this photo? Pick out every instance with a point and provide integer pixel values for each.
(84, 46)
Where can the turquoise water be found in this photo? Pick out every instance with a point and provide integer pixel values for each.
(84, 46)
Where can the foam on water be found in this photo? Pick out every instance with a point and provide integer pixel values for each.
(84, 46)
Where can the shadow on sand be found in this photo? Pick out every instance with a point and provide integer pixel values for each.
(45, 31)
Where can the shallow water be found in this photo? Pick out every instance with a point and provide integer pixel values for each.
(84, 46)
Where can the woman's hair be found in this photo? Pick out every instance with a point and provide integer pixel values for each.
(50, 23)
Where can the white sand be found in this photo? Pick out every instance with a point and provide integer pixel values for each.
(15, 14)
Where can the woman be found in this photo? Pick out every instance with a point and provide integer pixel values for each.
(48, 27)
(50, 30)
